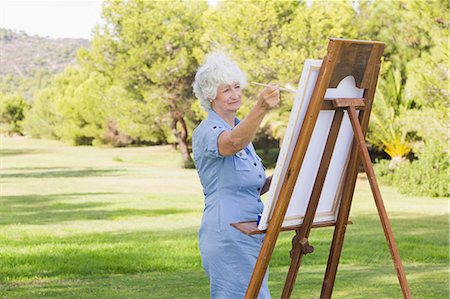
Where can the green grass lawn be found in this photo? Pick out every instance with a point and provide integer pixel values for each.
(85, 222)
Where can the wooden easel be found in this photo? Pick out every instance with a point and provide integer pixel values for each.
(361, 59)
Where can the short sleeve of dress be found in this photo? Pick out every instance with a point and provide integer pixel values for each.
(212, 139)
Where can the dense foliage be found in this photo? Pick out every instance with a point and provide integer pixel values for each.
(134, 84)
(12, 113)
(426, 176)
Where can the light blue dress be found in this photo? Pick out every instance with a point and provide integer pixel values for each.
(232, 187)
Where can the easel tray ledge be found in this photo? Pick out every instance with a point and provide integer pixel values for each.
(251, 228)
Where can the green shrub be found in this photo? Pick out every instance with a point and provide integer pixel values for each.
(426, 176)
(384, 175)
(12, 113)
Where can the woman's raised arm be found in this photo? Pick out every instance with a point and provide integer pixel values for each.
(231, 142)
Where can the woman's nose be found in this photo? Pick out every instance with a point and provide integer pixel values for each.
(234, 92)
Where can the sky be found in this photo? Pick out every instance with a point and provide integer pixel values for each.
(74, 19)
(54, 18)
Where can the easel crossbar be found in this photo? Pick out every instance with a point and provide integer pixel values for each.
(333, 103)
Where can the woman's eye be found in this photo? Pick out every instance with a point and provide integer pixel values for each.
(237, 87)
(226, 90)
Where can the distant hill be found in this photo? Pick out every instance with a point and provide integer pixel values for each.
(29, 61)
(23, 53)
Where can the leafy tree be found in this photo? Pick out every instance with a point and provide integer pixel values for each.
(427, 83)
(43, 120)
(12, 113)
(427, 87)
(402, 25)
(151, 50)
(415, 76)
(71, 108)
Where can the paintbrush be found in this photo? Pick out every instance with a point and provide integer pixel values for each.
(280, 88)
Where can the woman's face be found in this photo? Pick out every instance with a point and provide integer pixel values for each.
(228, 98)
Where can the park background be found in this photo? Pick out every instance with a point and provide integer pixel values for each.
(98, 195)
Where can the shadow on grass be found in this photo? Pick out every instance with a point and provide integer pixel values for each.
(366, 269)
(34, 201)
(358, 281)
(104, 253)
(153, 285)
(177, 250)
(45, 209)
(35, 168)
(352, 282)
(17, 152)
(418, 239)
(86, 172)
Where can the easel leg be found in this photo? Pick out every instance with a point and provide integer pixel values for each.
(341, 225)
(300, 247)
(379, 201)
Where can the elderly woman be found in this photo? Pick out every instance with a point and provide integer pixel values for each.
(231, 174)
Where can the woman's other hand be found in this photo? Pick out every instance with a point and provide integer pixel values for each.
(266, 186)
(270, 97)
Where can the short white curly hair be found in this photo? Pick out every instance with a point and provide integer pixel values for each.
(218, 69)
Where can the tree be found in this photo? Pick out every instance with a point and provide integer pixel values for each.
(415, 71)
(12, 113)
(71, 109)
(151, 49)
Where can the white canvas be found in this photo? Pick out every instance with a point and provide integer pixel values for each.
(330, 197)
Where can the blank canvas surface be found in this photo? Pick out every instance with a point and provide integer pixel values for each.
(330, 197)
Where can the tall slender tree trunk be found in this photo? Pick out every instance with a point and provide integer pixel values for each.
(181, 136)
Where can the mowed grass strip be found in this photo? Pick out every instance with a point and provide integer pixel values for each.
(85, 222)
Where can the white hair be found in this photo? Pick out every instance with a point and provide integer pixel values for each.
(218, 69)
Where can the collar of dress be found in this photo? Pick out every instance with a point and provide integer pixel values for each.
(213, 116)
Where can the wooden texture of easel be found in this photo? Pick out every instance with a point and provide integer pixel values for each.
(360, 59)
